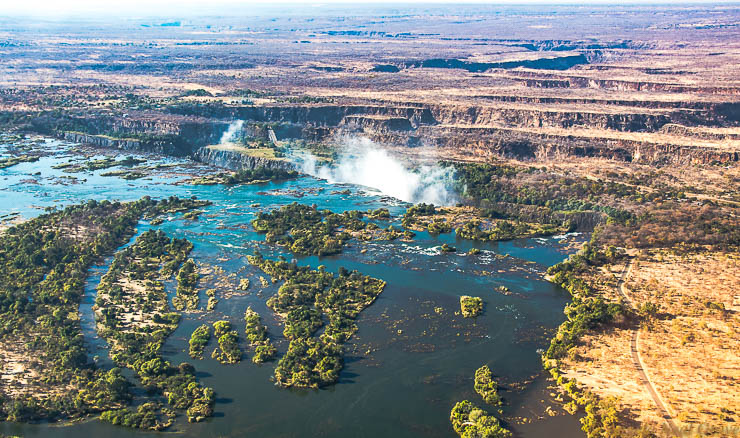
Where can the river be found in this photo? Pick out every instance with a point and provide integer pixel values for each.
(413, 357)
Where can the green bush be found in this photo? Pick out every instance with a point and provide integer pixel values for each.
(305, 298)
(257, 336)
(198, 341)
(471, 307)
(469, 421)
(486, 387)
(228, 351)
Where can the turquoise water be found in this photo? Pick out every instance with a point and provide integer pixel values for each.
(404, 369)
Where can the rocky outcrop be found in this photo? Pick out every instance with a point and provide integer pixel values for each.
(567, 45)
(235, 160)
(126, 144)
(473, 143)
(694, 132)
(317, 115)
(536, 118)
(581, 220)
(531, 146)
(376, 123)
(703, 105)
(556, 80)
(549, 63)
(531, 128)
(191, 134)
(151, 132)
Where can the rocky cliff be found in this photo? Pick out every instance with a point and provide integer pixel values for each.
(127, 144)
(235, 160)
(524, 127)
(153, 132)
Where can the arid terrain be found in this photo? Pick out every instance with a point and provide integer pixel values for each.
(640, 84)
(627, 109)
(687, 346)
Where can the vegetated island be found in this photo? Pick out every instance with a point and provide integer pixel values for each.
(256, 333)
(186, 297)
(304, 301)
(304, 229)
(468, 420)
(200, 337)
(44, 264)
(470, 307)
(486, 387)
(135, 318)
(227, 351)
(259, 175)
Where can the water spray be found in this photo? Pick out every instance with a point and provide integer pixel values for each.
(368, 164)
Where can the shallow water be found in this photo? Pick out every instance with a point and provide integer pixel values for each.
(406, 366)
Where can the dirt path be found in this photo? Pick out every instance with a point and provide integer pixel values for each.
(637, 360)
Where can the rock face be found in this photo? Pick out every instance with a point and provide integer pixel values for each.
(514, 143)
(660, 132)
(159, 147)
(103, 142)
(234, 160)
(533, 132)
(379, 124)
(551, 63)
(169, 135)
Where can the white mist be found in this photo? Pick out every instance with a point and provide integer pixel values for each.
(366, 163)
(231, 133)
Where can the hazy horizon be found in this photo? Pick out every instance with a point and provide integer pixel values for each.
(184, 8)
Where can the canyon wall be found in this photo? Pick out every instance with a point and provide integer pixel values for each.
(237, 161)
(672, 132)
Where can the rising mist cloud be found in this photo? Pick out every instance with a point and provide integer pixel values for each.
(231, 133)
(368, 164)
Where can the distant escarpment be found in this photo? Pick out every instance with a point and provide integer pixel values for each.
(471, 142)
(312, 115)
(642, 128)
(162, 145)
(550, 63)
(536, 79)
(650, 131)
(135, 131)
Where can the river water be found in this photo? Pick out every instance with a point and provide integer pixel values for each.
(412, 359)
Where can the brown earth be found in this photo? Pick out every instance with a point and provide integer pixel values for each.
(689, 351)
(653, 85)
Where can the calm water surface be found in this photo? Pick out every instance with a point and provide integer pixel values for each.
(413, 357)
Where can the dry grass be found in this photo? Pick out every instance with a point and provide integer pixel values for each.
(267, 153)
(602, 363)
(142, 299)
(700, 341)
(691, 350)
(23, 372)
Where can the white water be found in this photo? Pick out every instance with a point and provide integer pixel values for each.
(231, 133)
(368, 164)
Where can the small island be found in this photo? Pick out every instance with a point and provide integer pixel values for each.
(187, 294)
(228, 351)
(303, 300)
(469, 420)
(257, 336)
(198, 340)
(486, 387)
(259, 175)
(471, 306)
(304, 229)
